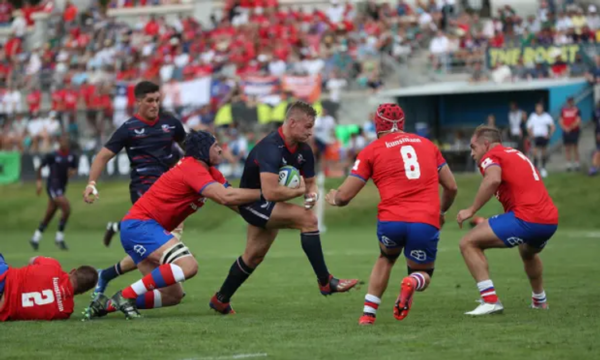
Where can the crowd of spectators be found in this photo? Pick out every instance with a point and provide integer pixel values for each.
(71, 78)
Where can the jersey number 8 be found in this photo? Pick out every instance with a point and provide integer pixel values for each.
(411, 163)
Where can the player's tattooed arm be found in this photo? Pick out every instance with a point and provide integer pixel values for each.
(349, 189)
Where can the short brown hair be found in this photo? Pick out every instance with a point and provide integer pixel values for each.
(302, 108)
(489, 133)
(86, 277)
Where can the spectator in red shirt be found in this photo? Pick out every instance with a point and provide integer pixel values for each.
(34, 100)
(12, 47)
(6, 10)
(152, 28)
(570, 121)
(70, 13)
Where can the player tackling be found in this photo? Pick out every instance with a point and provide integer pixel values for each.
(41, 290)
(146, 236)
(407, 170)
(149, 138)
(529, 220)
(266, 216)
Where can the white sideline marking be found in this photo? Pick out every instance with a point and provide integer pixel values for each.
(238, 356)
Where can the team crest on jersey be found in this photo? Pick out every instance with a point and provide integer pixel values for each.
(139, 132)
(166, 128)
(301, 159)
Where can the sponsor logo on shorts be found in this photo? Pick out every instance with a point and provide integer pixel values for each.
(387, 241)
(418, 255)
(514, 241)
(139, 249)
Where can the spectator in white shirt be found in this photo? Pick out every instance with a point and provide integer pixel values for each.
(11, 102)
(438, 47)
(540, 127)
(335, 13)
(19, 24)
(593, 19)
(277, 67)
(516, 120)
(563, 23)
(324, 134)
(335, 85)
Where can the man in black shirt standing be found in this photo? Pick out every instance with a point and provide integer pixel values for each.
(63, 165)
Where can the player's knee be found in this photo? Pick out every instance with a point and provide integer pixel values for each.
(191, 269)
(465, 244)
(309, 222)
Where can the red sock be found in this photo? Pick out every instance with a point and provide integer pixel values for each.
(487, 291)
(163, 276)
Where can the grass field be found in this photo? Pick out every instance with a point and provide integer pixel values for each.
(281, 314)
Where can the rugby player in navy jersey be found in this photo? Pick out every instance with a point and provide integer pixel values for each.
(63, 165)
(287, 146)
(148, 138)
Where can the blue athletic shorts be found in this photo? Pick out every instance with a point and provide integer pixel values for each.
(3, 269)
(257, 213)
(140, 238)
(419, 240)
(513, 231)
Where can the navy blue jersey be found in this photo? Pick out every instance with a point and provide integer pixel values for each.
(272, 153)
(59, 163)
(150, 148)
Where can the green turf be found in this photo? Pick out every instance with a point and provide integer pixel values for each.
(280, 311)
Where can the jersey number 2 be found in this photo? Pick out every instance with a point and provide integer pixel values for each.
(37, 298)
(411, 163)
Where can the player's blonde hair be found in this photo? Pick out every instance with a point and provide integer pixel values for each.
(489, 133)
(302, 108)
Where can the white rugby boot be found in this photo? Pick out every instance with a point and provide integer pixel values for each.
(486, 309)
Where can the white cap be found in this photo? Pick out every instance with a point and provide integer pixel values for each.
(592, 8)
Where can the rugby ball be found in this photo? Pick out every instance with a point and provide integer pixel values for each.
(289, 176)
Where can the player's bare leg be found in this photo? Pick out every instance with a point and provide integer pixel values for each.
(292, 216)
(65, 208)
(177, 265)
(258, 243)
(37, 236)
(595, 163)
(534, 269)
(123, 267)
(418, 280)
(472, 246)
(378, 282)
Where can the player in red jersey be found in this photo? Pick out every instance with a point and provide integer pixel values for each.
(146, 229)
(529, 220)
(570, 121)
(407, 170)
(41, 290)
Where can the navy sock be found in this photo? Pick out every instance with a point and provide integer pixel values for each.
(311, 244)
(42, 227)
(61, 225)
(111, 272)
(238, 273)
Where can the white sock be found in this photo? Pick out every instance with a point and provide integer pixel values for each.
(115, 227)
(60, 236)
(371, 304)
(37, 236)
(539, 298)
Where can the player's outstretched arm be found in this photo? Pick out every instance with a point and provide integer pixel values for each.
(230, 196)
(491, 180)
(274, 192)
(98, 165)
(349, 189)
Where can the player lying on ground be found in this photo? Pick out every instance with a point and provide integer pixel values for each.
(287, 146)
(149, 139)
(407, 170)
(41, 290)
(529, 221)
(146, 229)
(63, 164)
